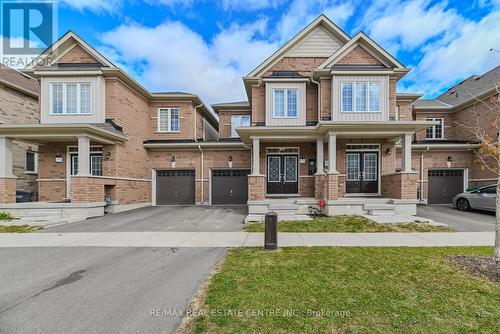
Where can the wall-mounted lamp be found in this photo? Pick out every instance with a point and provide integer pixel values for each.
(107, 155)
(230, 161)
(59, 157)
(172, 160)
(388, 151)
(449, 161)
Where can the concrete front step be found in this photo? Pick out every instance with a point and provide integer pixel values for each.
(255, 218)
(380, 209)
(283, 206)
(49, 213)
(381, 212)
(39, 221)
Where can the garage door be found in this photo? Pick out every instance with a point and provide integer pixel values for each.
(229, 186)
(174, 187)
(444, 184)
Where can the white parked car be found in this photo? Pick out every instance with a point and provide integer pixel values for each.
(483, 198)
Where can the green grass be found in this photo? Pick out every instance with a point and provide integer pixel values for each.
(18, 228)
(5, 216)
(346, 224)
(366, 289)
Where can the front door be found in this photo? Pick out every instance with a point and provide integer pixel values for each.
(282, 174)
(362, 172)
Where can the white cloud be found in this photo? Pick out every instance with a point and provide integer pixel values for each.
(173, 57)
(442, 64)
(94, 5)
(249, 5)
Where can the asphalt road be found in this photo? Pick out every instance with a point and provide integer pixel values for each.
(468, 221)
(98, 290)
(164, 218)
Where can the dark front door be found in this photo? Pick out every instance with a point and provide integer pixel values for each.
(362, 172)
(174, 187)
(444, 184)
(230, 186)
(282, 174)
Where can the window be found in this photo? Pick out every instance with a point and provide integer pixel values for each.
(436, 132)
(360, 96)
(285, 103)
(238, 121)
(168, 120)
(70, 98)
(31, 162)
(96, 164)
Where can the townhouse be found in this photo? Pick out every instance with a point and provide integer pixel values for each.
(323, 123)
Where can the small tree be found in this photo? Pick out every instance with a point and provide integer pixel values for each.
(485, 130)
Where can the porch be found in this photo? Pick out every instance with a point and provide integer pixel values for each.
(352, 170)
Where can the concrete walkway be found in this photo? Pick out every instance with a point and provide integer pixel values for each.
(242, 239)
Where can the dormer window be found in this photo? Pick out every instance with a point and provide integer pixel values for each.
(285, 103)
(360, 96)
(70, 98)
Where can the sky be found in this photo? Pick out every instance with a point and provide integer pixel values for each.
(205, 47)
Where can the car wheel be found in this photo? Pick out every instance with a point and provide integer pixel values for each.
(463, 204)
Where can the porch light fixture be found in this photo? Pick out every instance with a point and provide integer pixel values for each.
(172, 160)
(449, 161)
(388, 151)
(59, 157)
(230, 161)
(107, 155)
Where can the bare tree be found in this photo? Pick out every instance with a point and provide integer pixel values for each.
(485, 130)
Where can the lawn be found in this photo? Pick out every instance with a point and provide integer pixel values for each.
(348, 290)
(346, 224)
(18, 228)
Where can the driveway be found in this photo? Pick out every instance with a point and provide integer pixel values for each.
(164, 218)
(468, 221)
(110, 289)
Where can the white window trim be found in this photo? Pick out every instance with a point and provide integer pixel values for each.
(434, 128)
(64, 96)
(285, 103)
(367, 92)
(26, 171)
(169, 123)
(233, 128)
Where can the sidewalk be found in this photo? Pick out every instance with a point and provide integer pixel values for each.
(242, 239)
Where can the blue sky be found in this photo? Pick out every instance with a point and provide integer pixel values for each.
(205, 47)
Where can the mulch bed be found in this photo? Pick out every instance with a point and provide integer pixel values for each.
(479, 265)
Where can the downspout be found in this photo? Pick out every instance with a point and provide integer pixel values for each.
(422, 174)
(201, 154)
(319, 97)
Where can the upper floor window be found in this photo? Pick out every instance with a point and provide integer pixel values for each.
(238, 121)
(436, 132)
(31, 162)
(285, 103)
(360, 96)
(168, 120)
(70, 98)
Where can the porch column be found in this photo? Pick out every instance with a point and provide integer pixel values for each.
(7, 178)
(320, 169)
(406, 154)
(332, 153)
(255, 156)
(83, 156)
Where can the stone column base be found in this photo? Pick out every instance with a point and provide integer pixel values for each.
(319, 186)
(256, 187)
(7, 190)
(332, 187)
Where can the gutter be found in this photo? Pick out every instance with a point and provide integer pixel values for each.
(201, 153)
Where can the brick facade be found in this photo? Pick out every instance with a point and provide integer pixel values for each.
(7, 191)
(256, 187)
(399, 185)
(359, 56)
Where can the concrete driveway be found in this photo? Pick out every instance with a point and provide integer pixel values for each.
(468, 221)
(110, 289)
(164, 218)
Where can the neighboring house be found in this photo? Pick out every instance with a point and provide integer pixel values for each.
(323, 121)
(19, 104)
(443, 155)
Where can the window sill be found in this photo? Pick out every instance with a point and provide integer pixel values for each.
(167, 132)
(63, 114)
(31, 173)
(360, 112)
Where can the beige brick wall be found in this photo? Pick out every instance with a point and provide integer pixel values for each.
(225, 122)
(359, 55)
(326, 98)
(7, 191)
(77, 55)
(256, 188)
(17, 107)
(302, 64)
(405, 110)
(400, 185)
(258, 104)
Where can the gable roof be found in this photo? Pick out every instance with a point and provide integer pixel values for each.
(19, 81)
(65, 44)
(475, 86)
(320, 21)
(362, 40)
